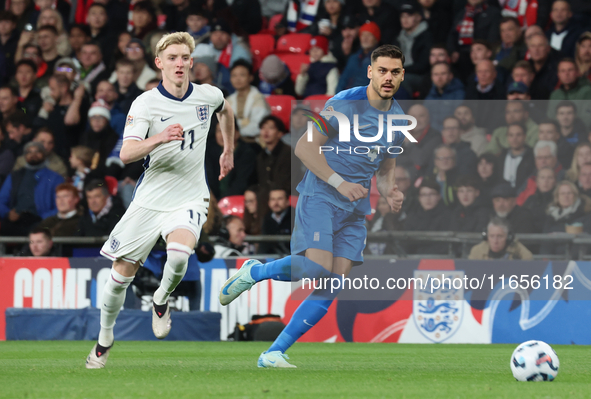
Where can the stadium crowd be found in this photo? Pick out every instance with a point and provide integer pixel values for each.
(500, 90)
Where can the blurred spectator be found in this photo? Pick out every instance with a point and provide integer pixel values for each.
(120, 51)
(53, 18)
(278, 221)
(447, 90)
(517, 160)
(545, 156)
(299, 125)
(270, 8)
(65, 222)
(384, 16)
(571, 127)
(92, 67)
(26, 196)
(439, 16)
(100, 30)
(489, 174)
(451, 137)
(564, 31)
(127, 89)
(136, 53)
(144, 21)
(438, 53)
(499, 243)
(62, 6)
(419, 155)
(239, 178)
(33, 53)
(52, 160)
(583, 55)
(345, 41)
(247, 14)
(247, 102)
(227, 48)
(47, 37)
(512, 47)
(581, 156)
(106, 92)
(8, 41)
(480, 50)
(469, 132)
(231, 238)
(404, 181)
(505, 207)
(67, 67)
(8, 102)
(383, 220)
(80, 162)
(40, 244)
(584, 180)
(118, 13)
(524, 72)
(275, 77)
(19, 133)
(22, 10)
(538, 202)
(445, 172)
(571, 87)
(470, 215)
(355, 73)
(486, 87)
(207, 71)
(152, 84)
(28, 94)
(196, 22)
(321, 76)
(274, 162)
(515, 112)
(6, 158)
(252, 216)
(430, 216)
(100, 137)
(177, 12)
(330, 19)
(543, 59)
(104, 211)
(519, 91)
(548, 130)
(78, 37)
(415, 42)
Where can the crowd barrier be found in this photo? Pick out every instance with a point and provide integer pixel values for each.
(499, 314)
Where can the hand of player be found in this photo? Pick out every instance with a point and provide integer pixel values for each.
(13, 216)
(172, 133)
(395, 198)
(353, 191)
(226, 163)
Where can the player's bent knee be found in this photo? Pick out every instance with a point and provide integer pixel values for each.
(178, 255)
(125, 268)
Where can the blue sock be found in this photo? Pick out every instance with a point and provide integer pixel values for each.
(290, 268)
(310, 312)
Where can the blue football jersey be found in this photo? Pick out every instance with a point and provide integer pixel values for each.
(354, 167)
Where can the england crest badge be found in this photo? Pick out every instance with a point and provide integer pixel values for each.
(202, 112)
(437, 304)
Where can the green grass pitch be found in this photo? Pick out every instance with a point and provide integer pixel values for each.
(171, 370)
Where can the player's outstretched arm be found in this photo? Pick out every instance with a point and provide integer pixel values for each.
(311, 156)
(226, 118)
(134, 150)
(386, 182)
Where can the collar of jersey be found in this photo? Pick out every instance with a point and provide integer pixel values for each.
(166, 94)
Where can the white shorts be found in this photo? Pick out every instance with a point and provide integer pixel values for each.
(137, 232)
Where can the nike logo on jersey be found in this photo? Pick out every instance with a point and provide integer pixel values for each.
(164, 120)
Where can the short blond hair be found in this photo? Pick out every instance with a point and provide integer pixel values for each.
(175, 38)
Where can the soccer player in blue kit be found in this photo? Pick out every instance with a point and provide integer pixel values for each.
(329, 233)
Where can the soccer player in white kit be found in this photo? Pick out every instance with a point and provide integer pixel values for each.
(168, 127)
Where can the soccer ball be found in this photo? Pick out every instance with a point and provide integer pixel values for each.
(534, 361)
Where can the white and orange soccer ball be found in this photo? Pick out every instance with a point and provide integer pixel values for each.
(534, 361)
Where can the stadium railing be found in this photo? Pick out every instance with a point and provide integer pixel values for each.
(571, 246)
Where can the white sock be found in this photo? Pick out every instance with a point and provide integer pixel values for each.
(174, 271)
(113, 298)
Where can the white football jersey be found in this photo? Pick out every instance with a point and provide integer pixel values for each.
(174, 172)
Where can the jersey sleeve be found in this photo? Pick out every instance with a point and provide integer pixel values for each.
(218, 99)
(138, 121)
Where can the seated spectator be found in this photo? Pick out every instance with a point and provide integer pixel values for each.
(583, 55)
(144, 21)
(383, 220)
(518, 91)
(489, 174)
(47, 39)
(19, 131)
(275, 77)
(505, 207)
(415, 42)
(8, 102)
(512, 47)
(142, 73)
(384, 16)
(584, 180)
(80, 162)
(28, 95)
(538, 202)
(486, 87)
(53, 18)
(346, 40)
(177, 15)
(230, 241)
(571, 86)
(470, 215)
(278, 221)
(500, 244)
(299, 125)
(53, 161)
(79, 35)
(40, 244)
(451, 137)
(432, 215)
(127, 90)
(438, 53)
(196, 23)
(564, 30)
(274, 162)
(582, 156)
(523, 72)
(418, 156)
(247, 102)
(517, 160)
(321, 75)
(100, 137)
(571, 127)
(104, 211)
(548, 130)
(469, 132)
(355, 73)
(515, 112)
(448, 90)
(544, 60)
(65, 222)
(9, 36)
(26, 197)
(404, 181)
(106, 92)
(252, 215)
(92, 67)
(445, 172)
(545, 157)
(439, 17)
(227, 47)
(32, 52)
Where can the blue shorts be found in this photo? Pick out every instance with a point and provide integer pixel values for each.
(322, 225)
